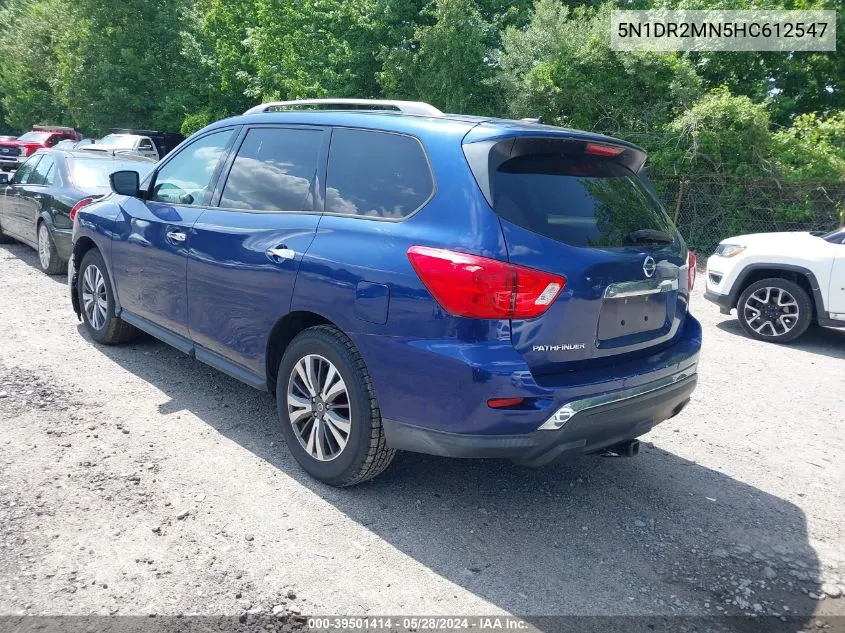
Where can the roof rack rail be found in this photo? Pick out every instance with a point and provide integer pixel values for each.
(406, 107)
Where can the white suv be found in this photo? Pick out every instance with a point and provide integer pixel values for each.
(780, 283)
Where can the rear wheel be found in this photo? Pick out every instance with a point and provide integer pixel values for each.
(328, 409)
(775, 310)
(48, 256)
(97, 301)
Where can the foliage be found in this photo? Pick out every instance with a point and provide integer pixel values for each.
(721, 133)
(561, 67)
(812, 148)
(449, 63)
(182, 64)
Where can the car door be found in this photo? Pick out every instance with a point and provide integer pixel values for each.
(35, 197)
(12, 209)
(245, 253)
(153, 236)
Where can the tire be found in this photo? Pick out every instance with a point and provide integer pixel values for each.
(364, 453)
(48, 256)
(103, 326)
(775, 310)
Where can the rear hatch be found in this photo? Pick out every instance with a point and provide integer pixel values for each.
(576, 206)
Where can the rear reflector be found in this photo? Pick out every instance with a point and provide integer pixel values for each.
(82, 203)
(504, 403)
(691, 262)
(482, 288)
(599, 149)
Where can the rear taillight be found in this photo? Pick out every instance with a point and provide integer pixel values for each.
(79, 205)
(482, 288)
(691, 263)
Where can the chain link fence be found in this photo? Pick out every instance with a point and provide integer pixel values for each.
(708, 209)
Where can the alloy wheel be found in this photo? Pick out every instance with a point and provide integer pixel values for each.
(94, 297)
(771, 311)
(44, 246)
(319, 407)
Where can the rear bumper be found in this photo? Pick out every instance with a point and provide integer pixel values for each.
(594, 425)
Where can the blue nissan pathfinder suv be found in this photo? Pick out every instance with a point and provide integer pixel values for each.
(404, 279)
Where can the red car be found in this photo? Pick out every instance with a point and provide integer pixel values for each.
(13, 153)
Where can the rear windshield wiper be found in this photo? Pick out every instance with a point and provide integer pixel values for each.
(651, 235)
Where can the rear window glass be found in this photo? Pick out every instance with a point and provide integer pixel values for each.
(579, 200)
(376, 174)
(94, 172)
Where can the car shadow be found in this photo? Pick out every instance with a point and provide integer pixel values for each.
(29, 256)
(816, 340)
(655, 535)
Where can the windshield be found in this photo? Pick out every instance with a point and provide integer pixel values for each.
(581, 201)
(35, 137)
(94, 173)
(117, 140)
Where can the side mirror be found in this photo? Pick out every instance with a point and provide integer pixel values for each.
(125, 183)
(4, 178)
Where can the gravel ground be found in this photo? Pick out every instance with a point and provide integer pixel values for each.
(136, 481)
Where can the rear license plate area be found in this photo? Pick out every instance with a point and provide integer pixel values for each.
(631, 315)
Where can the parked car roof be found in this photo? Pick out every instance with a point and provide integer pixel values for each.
(482, 127)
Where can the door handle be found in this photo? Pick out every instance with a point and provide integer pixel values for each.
(281, 252)
(176, 236)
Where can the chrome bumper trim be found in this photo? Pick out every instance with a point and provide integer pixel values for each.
(571, 409)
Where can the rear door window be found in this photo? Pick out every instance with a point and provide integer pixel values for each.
(579, 200)
(274, 171)
(376, 174)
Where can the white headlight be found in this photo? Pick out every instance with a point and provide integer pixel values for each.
(729, 250)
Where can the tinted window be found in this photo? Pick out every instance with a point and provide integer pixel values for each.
(186, 179)
(274, 171)
(145, 144)
(25, 171)
(376, 174)
(578, 200)
(94, 172)
(42, 174)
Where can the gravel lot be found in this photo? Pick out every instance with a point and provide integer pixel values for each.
(134, 480)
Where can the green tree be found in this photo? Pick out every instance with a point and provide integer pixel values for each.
(449, 62)
(721, 133)
(122, 64)
(28, 77)
(561, 67)
(312, 48)
(217, 41)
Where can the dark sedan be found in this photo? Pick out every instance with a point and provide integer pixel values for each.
(38, 204)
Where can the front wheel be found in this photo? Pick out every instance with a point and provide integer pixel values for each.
(97, 302)
(775, 310)
(328, 410)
